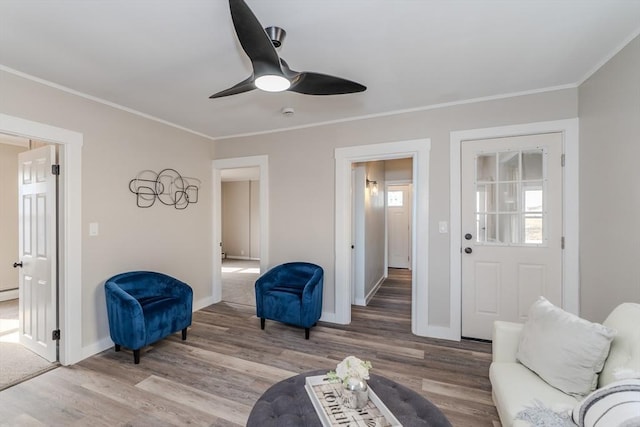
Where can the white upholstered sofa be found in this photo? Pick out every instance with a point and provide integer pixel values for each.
(515, 387)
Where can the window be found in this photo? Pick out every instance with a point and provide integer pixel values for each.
(394, 198)
(510, 189)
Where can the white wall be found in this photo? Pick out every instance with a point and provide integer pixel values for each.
(609, 110)
(301, 163)
(117, 146)
(9, 215)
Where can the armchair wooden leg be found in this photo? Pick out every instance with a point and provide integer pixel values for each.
(262, 323)
(136, 356)
(117, 347)
(306, 333)
(184, 334)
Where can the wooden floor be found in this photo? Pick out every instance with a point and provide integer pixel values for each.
(227, 362)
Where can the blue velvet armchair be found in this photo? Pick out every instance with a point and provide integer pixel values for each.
(291, 293)
(143, 307)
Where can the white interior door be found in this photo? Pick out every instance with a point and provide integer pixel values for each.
(37, 251)
(511, 228)
(399, 226)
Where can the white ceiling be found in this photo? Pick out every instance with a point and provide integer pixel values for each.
(163, 58)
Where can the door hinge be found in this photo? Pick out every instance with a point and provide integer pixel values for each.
(562, 160)
(55, 335)
(55, 169)
(562, 242)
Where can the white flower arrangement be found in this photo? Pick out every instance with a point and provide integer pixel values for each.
(350, 367)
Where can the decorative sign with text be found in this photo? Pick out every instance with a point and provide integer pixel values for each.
(327, 400)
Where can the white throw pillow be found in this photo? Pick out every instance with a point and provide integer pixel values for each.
(616, 404)
(564, 350)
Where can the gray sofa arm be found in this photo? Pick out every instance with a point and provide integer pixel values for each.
(506, 336)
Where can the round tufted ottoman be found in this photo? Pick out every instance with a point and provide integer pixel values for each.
(286, 404)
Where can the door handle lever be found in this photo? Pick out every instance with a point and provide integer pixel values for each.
(17, 264)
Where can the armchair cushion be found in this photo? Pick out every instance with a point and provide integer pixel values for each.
(291, 293)
(144, 307)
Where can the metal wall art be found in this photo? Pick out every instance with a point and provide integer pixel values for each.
(167, 186)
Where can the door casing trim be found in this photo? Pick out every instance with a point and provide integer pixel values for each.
(419, 151)
(70, 227)
(262, 162)
(570, 206)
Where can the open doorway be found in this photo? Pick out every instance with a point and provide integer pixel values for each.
(25, 350)
(418, 153)
(382, 217)
(240, 226)
(239, 259)
(69, 145)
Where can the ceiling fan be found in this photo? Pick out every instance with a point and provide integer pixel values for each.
(270, 72)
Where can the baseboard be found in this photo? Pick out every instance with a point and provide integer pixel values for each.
(106, 343)
(328, 317)
(203, 302)
(8, 294)
(373, 290)
(244, 258)
(439, 332)
(96, 347)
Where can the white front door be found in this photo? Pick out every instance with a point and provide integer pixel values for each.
(37, 251)
(511, 228)
(399, 226)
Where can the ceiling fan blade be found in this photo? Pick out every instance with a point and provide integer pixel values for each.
(310, 83)
(244, 86)
(254, 40)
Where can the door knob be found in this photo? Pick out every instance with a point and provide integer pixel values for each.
(468, 236)
(17, 264)
(468, 250)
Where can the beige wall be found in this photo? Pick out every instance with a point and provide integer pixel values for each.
(240, 219)
(301, 163)
(374, 227)
(609, 110)
(254, 220)
(117, 146)
(399, 170)
(9, 215)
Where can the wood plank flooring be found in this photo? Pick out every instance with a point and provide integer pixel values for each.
(227, 362)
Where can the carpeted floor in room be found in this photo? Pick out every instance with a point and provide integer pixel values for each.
(17, 363)
(238, 280)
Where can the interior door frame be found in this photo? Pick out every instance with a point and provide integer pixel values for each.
(69, 227)
(570, 207)
(419, 151)
(262, 162)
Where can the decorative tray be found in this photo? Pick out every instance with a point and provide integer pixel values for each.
(325, 397)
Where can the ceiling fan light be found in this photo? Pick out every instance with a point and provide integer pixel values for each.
(272, 83)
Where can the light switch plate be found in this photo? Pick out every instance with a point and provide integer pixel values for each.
(93, 229)
(443, 227)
